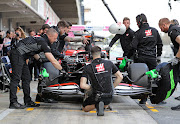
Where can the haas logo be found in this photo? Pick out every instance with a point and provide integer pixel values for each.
(148, 32)
(100, 67)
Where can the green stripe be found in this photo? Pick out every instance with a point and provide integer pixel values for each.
(172, 84)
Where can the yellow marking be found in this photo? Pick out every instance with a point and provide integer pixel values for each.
(154, 110)
(92, 112)
(150, 107)
(37, 102)
(29, 109)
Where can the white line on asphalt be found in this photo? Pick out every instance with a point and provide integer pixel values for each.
(5, 113)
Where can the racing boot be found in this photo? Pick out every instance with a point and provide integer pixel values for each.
(177, 108)
(32, 104)
(100, 108)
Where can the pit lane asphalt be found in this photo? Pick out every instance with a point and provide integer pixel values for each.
(162, 113)
(125, 111)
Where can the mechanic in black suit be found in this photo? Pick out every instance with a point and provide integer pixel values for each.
(125, 39)
(26, 48)
(99, 73)
(174, 33)
(148, 44)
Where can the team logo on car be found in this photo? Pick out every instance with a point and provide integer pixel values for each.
(100, 67)
(148, 32)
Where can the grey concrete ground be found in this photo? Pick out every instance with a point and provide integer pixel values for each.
(125, 111)
(162, 113)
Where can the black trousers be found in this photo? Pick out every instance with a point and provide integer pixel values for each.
(150, 61)
(20, 71)
(36, 70)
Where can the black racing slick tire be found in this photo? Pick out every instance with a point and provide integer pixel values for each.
(135, 71)
(167, 84)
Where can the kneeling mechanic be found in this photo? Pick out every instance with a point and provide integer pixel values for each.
(99, 73)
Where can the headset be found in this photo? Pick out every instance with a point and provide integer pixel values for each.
(140, 19)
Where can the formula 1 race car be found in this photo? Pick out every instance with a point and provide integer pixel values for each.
(138, 82)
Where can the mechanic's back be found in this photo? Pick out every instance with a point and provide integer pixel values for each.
(99, 72)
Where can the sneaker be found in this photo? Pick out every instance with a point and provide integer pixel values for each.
(100, 110)
(50, 101)
(16, 105)
(177, 108)
(32, 104)
(177, 98)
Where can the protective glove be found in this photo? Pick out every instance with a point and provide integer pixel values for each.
(67, 59)
(108, 48)
(158, 59)
(174, 61)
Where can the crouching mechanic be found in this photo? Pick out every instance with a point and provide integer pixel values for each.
(26, 48)
(99, 73)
